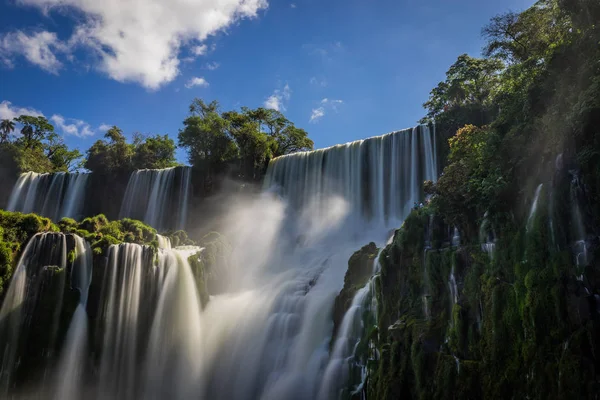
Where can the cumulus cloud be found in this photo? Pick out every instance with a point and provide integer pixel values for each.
(104, 127)
(139, 41)
(8, 111)
(70, 126)
(196, 81)
(278, 100)
(39, 48)
(325, 104)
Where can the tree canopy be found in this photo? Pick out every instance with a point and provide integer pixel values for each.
(242, 140)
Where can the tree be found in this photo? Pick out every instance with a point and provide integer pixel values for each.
(253, 145)
(6, 128)
(466, 96)
(528, 36)
(111, 156)
(206, 138)
(154, 152)
(287, 138)
(62, 159)
(35, 129)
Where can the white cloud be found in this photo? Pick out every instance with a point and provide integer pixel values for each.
(140, 41)
(325, 104)
(293, 5)
(278, 100)
(8, 111)
(200, 50)
(38, 48)
(212, 66)
(196, 81)
(74, 127)
(104, 127)
(317, 114)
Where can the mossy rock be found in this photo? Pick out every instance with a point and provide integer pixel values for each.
(360, 270)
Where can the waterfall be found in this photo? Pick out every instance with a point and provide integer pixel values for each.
(380, 178)
(266, 334)
(174, 353)
(343, 362)
(151, 325)
(55, 195)
(578, 231)
(71, 367)
(163, 242)
(159, 197)
(534, 206)
(123, 285)
(20, 302)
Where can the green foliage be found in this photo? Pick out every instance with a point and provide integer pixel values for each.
(114, 156)
(472, 181)
(523, 326)
(6, 128)
(155, 152)
(34, 130)
(467, 93)
(16, 229)
(248, 138)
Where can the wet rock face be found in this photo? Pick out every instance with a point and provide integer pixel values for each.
(360, 269)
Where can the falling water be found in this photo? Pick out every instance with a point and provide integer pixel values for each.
(379, 177)
(55, 195)
(123, 285)
(452, 286)
(20, 301)
(163, 242)
(343, 362)
(266, 335)
(534, 206)
(151, 325)
(578, 231)
(72, 363)
(455, 237)
(159, 197)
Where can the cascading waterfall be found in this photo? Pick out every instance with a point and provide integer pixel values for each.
(343, 362)
(163, 242)
(159, 197)
(45, 253)
(379, 177)
(267, 334)
(534, 206)
(71, 367)
(578, 231)
(55, 195)
(151, 313)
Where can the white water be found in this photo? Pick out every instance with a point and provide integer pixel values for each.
(43, 249)
(534, 206)
(578, 231)
(55, 195)
(163, 242)
(380, 178)
(342, 360)
(72, 363)
(267, 335)
(159, 197)
(455, 237)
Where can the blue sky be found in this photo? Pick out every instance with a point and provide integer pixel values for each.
(341, 69)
